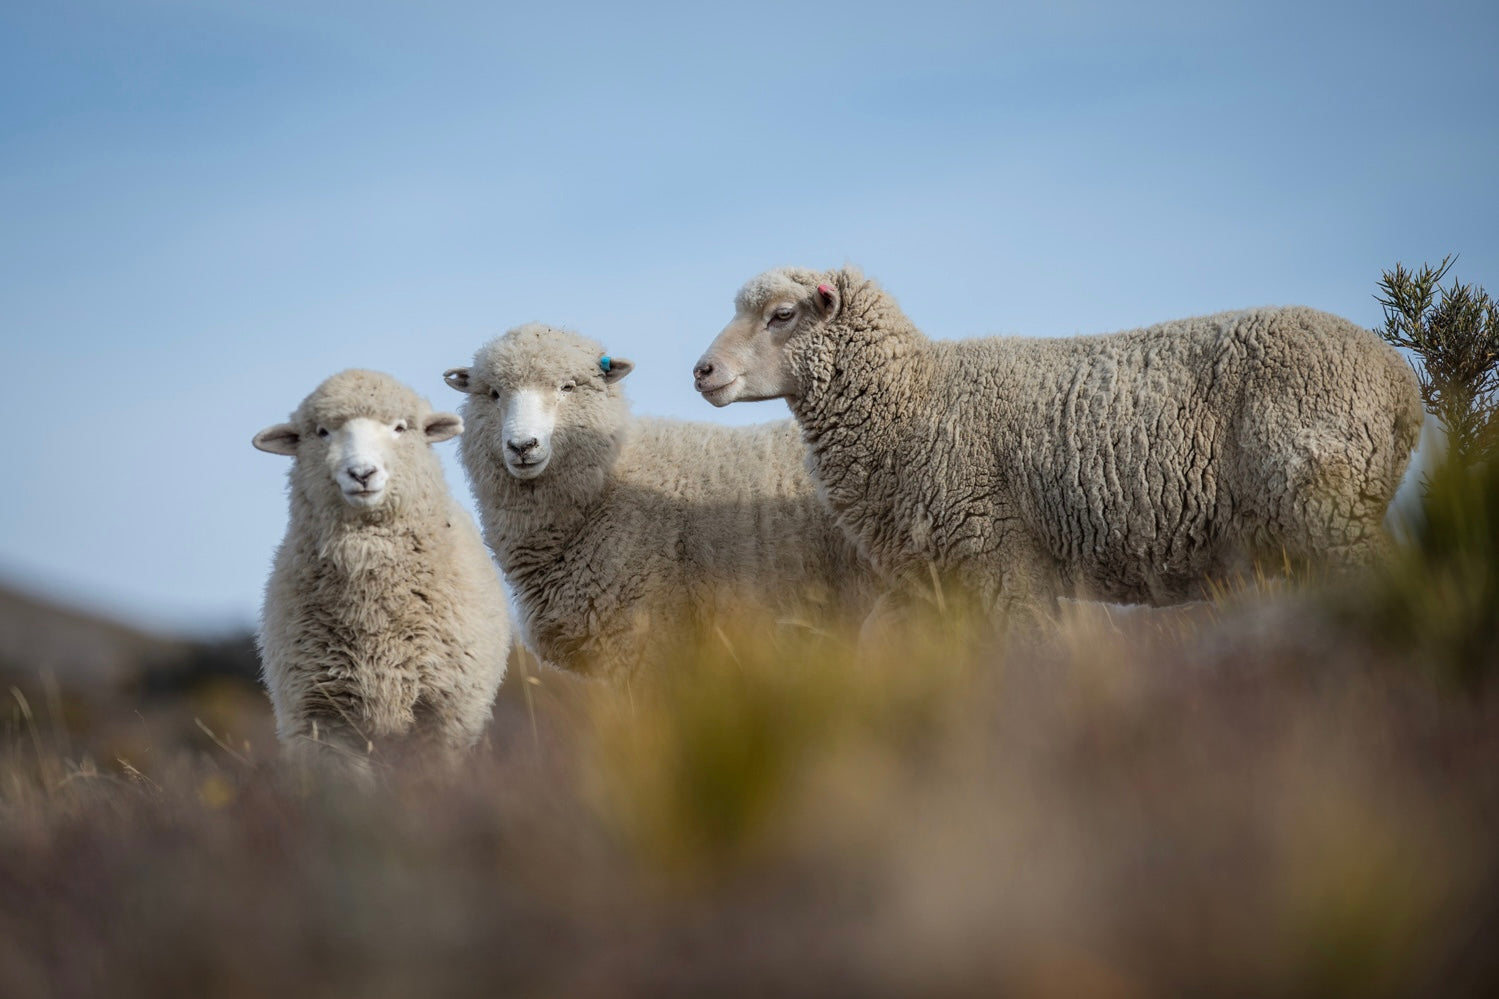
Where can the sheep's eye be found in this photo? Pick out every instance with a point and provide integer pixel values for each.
(322, 431)
(783, 314)
(401, 427)
(569, 385)
(494, 394)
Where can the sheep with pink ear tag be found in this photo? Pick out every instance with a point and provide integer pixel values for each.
(1137, 467)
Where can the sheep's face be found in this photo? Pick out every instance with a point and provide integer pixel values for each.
(350, 437)
(750, 361)
(357, 457)
(537, 393)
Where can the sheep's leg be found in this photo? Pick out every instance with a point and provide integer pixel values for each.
(971, 595)
(887, 622)
(442, 731)
(318, 750)
(1018, 588)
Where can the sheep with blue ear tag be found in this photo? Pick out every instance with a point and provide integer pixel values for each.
(618, 533)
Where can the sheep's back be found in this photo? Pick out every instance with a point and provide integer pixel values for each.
(740, 506)
(1152, 450)
(742, 497)
(1119, 462)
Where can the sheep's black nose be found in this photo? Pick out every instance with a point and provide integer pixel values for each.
(521, 447)
(703, 370)
(361, 474)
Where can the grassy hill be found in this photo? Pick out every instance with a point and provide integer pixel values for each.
(1293, 789)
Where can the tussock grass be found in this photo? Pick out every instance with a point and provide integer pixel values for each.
(1280, 791)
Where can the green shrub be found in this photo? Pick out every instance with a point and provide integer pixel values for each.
(1454, 334)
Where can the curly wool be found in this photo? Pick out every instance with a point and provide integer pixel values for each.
(1130, 467)
(382, 628)
(642, 531)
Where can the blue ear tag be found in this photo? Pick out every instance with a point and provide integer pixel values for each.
(604, 363)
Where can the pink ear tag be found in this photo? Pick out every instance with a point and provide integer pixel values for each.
(825, 291)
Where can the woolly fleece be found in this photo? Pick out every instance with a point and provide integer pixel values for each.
(1131, 467)
(641, 530)
(380, 627)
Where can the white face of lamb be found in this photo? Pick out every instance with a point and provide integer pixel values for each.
(530, 418)
(359, 459)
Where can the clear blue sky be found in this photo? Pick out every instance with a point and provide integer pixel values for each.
(206, 207)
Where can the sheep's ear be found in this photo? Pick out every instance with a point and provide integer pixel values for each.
(458, 378)
(615, 368)
(280, 439)
(826, 298)
(442, 426)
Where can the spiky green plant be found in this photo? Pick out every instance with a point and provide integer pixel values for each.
(1454, 334)
(1438, 598)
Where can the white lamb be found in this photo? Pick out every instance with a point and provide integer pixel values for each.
(622, 536)
(385, 624)
(1132, 467)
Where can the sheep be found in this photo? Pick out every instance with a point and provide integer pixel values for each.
(1134, 467)
(385, 625)
(620, 535)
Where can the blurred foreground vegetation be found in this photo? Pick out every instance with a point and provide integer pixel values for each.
(1291, 790)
